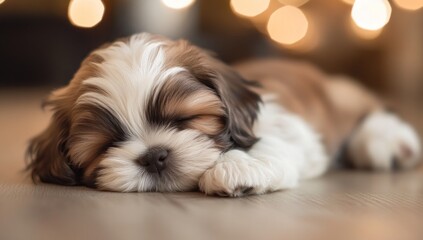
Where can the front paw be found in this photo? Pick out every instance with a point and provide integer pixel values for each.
(234, 176)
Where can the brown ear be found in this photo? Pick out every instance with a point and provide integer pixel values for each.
(241, 104)
(47, 152)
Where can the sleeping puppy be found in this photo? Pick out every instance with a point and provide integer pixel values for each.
(150, 114)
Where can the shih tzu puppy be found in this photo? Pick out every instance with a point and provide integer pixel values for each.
(150, 114)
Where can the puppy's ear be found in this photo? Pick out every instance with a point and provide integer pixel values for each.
(46, 154)
(241, 103)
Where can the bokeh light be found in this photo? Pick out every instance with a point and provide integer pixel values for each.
(363, 33)
(351, 2)
(295, 3)
(409, 4)
(177, 4)
(371, 14)
(287, 25)
(1, 1)
(249, 8)
(85, 13)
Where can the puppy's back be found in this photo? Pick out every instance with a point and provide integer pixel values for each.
(333, 106)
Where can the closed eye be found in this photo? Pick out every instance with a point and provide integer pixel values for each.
(207, 123)
(187, 118)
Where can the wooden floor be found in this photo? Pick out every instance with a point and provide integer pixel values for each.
(340, 205)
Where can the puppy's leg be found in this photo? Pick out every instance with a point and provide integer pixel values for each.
(288, 150)
(384, 142)
(381, 140)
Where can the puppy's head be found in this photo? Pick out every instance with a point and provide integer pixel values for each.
(144, 114)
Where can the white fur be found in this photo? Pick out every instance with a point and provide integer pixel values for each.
(191, 154)
(129, 74)
(288, 150)
(381, 139)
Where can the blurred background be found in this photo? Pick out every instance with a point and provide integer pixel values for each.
(379, 42)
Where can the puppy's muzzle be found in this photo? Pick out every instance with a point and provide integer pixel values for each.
(154, 160)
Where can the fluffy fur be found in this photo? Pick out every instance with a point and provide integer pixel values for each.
(218, 132)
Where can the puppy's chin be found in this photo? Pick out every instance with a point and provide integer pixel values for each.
(190, 155)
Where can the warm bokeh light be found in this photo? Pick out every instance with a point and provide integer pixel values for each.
(351, 2)
(409, 4)
(249, 8)
(287, 25)
(177, 4)
(1, 1)
(371, 14)
(85, 13)
(295, 3)
(363, 33)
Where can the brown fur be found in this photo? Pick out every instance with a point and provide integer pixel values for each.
(333, 107)
(49, 152)
(240, 103)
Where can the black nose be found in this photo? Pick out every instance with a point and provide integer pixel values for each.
(154, 161)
